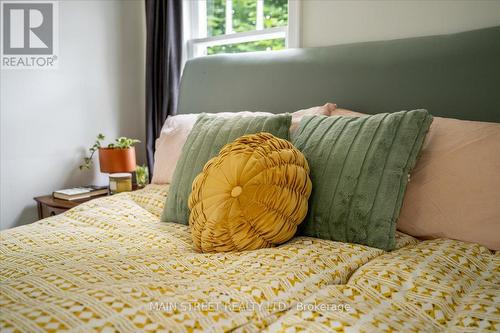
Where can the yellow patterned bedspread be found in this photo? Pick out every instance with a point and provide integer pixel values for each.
(109, 265)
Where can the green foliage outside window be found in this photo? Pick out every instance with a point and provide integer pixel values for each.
(262, 45)
(275, 13)
(216, 17)
(244, 19)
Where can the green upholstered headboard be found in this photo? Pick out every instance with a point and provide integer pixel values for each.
(454, 76)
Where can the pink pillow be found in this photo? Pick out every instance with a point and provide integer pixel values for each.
(323, 110)
(176, 130)
(454, 189)
(168, 146)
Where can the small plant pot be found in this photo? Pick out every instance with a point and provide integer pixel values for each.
(114, 160)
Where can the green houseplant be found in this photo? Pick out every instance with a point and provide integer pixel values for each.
(141, 175)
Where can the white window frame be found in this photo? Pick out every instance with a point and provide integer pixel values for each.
(195, 34)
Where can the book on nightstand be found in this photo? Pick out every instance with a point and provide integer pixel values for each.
(80, 192)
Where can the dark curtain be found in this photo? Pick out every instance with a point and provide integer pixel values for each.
(163, 66)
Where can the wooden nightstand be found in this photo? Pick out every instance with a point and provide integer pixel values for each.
(48, 206)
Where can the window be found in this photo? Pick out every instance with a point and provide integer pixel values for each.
(234, 26)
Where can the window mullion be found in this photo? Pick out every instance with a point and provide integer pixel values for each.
(202, 19)
(260, 15)
(229, 17)
(294, 24)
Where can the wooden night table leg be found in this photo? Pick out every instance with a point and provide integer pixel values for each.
(40, 210)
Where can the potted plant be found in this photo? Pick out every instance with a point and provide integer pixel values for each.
(141, 175)
(115, 157)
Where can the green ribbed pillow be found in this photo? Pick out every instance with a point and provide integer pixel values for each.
(359, 170)
(208, 136)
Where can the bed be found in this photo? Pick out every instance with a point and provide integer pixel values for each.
(110, 265)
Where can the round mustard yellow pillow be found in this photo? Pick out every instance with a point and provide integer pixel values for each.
(252, 195)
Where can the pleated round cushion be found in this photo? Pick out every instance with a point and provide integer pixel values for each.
(252, 195)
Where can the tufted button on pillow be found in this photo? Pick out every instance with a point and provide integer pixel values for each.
(252, 195)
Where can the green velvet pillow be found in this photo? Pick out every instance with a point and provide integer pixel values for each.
(359, 170)
(208, 136)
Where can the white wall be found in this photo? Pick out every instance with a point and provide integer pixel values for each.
(50, 117)
(329, 22)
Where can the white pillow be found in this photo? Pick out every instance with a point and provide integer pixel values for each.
(176, 129)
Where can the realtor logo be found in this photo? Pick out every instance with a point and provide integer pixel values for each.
(29, 34)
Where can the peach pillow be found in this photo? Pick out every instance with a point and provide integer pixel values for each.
(454, 189)
(176, 130)
(324, 110)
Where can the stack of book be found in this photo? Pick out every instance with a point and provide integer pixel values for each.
(82, 192)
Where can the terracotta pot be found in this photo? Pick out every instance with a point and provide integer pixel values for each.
(112, 160)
